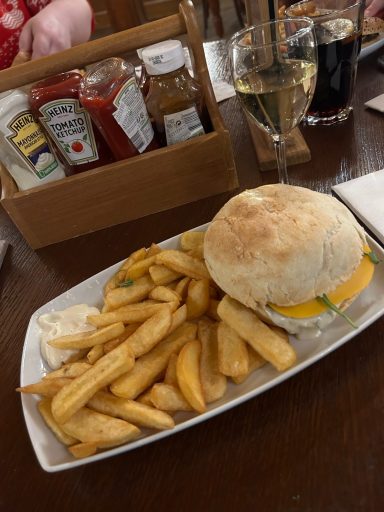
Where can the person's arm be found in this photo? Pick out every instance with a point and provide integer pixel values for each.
(60, 25)
(374, 8)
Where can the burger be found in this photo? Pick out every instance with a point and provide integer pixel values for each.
(295, 256)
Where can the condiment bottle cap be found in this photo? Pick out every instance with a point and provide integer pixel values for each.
(139, 52)
(163, 57)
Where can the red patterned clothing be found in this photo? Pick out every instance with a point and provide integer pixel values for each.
(13, 16)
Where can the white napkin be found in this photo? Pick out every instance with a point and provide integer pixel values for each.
(376, 103)
(3, 250)
(365, 197)
(223, 90)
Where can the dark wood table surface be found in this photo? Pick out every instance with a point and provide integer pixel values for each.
(314, 443)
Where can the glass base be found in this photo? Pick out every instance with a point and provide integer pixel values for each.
(338, 118)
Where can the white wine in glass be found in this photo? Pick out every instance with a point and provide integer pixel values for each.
(274, 67)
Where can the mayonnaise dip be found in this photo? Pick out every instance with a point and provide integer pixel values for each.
(60, 323)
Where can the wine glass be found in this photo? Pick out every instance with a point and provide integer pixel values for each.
(274, 68)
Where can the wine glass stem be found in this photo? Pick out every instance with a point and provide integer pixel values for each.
(281, 156)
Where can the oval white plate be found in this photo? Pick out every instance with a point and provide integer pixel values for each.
(54, 457)
(372, 46)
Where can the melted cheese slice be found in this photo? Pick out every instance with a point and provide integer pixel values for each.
(359, 280)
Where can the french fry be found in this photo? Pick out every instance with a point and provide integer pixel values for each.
(212, 310)
(197, 298)
(46, 387)
(70, 370)
(82, 450)
(140, 269)
(170, 376)
(182, 287)
(117, 278)
(148, 367)
(104, 431)
(213, 383)
(44, 407)
(232, 352)
(153, 250)
(95, 353)
(133, 313)
(145, 398)
(162, 275)
(131, 294)
(131, 411)
(191, 240)
(263, 339)
(255, 361)
(150, 333)
(90, 338)
(168, 398)
(76, 394)
(110, 345)
(197, 252)
(183, 263)
(164, 294)
(178, 318)
(188, 375)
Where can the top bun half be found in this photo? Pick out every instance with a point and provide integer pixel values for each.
(282, 244)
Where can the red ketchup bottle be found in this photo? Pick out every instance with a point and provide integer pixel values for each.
(55, 104)
(110, 93)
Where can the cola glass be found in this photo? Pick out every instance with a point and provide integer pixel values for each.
(338, 28)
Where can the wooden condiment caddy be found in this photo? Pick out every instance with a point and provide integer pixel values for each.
(128, 189)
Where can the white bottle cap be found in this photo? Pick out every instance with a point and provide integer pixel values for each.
(163, 57)
(139, 52)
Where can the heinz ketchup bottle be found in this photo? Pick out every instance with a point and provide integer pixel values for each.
(110, 93)
(55, 103)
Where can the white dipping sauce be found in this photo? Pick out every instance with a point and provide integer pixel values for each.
(61, 323)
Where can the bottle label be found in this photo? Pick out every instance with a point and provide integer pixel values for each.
(182, 126)
(132, 116)
(70, 127)
(30, 143)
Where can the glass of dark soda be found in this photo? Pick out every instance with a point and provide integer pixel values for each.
(338, 28)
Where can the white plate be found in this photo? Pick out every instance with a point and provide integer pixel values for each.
(54, 457)
(371, 46)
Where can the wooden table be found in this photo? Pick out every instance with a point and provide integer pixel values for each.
(313, 444)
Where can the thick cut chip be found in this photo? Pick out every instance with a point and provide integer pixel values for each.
(255, 361)
(95, 353)
(162, 275)
(46, 387)
(213, 382)
(150, 333)
(232, 352)
(168, 398)
(88, 339)
(70, 370)
(130, 314)
(131, 411)
(148, 367)
(191, 240)
(44, 407)
(170, 376)
(263, 339)
(188, 375)
(136, 292)
(164, 294)
(76, 394)
(104, 431)
(129, 329)
(197, 298)
(182, 287)
(140, 268)
(183, 263)
(82, 450)
(119, 277)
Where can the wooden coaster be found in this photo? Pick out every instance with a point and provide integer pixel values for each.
(297, 149)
